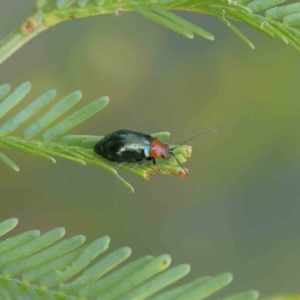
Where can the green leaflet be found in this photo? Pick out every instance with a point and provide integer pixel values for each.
(54, 113)
(221, 14)
(208, 288)
(282, 11)
(250, 295)
(4, 90)
(46, 269)
(98, 270)
(259, 5)
(108, 282)
(165, 22)
(75, 119)
(26, 113)
(32, 246)
(8, 225)
(90, 253)
(181, 291)
(154, 267)
(44, 256)
(9, 162)
(157, 283)
(14, 98)
(181, 22)
(82, 3)
(293, 19)
(49, 264)
(62, 3)
(12, 243)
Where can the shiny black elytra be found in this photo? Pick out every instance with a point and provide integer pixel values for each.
(126, 146)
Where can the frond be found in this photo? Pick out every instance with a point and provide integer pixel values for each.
(278, 22)
(53, 140)
(49, 267)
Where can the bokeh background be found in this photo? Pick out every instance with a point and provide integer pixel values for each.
(246, 217)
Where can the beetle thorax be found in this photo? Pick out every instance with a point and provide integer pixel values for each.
(159, 149)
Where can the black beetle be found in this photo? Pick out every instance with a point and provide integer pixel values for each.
(126, 146)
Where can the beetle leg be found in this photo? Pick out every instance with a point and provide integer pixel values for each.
(146, 162)
(159, 167)
(139, 164)
(134, 166)
(121, 164)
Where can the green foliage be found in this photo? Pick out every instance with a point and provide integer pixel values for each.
(54, 142)
(46, 267)
(278, 22)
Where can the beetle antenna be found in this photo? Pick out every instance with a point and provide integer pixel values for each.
(187, 174)
(200, 134)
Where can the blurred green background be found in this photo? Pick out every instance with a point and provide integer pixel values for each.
(246, 217)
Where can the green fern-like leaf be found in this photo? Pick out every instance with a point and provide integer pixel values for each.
(55, 142)
(46, 267)
(279, 22)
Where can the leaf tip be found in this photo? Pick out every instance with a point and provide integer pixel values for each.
(27, 84)
(228, 276)
(105, 99)
(190, 36)
(254, 294)
(186, 267)
(165, 260)
(127, 250)
(36, 232)
(78, 94)
(61, 231)
(16, 168)
(9, 224)
(52, 92)
(106, 239)
(13, 221)
(82, 238)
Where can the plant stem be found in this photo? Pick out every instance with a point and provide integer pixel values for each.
(32, 26)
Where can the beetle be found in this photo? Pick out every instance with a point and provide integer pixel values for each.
(127, 146)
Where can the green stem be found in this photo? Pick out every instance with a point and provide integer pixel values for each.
(20, 36)
(49, 13)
